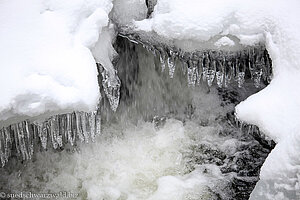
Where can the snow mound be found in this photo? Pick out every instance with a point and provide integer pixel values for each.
(276, 109)
(46, 62)
(224, 41)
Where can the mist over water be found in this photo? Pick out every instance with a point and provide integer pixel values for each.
(167, 141)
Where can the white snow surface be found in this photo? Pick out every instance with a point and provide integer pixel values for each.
(46, 61)
(224, 41)
(275, 109)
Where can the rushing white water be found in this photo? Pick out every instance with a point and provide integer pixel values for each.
(167, 159)
(128, 162)
(168, 140)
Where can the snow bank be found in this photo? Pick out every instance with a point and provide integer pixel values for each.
(276, 109)
(46, 62)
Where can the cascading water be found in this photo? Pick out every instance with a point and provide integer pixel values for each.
(173, 136)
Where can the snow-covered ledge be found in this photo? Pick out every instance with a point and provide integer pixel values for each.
(46, 61)
(276, 109)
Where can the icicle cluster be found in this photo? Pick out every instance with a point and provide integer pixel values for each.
(111, 86)
(214, 66)
(254, 131)
(22, 138)
(222, 67)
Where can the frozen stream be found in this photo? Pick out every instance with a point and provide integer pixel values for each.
(167, 141)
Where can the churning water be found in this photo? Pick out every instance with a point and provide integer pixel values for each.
(167, 141)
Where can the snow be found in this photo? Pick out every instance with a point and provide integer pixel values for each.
(125, 12)
(46, 59)
(224, 41)
(276, 109)
(47, 64)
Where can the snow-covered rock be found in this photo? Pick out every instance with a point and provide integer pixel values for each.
(45, 54)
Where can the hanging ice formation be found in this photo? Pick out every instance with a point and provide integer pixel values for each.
(208, 66)
(23, 138)
(111, 86)
(221, 67)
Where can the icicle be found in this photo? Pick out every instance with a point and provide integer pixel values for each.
(85, 126)
(238, 122)
(268, 67)
(43, 134)
(150, 49)
(259, 64)
(59, 129)
(257, 76)
(251, 54)
(228, 73)
(240, 71)
(92, 122)
(199, 70)
(241, 125)
(191, 74)
(29, 136)
(70, 133)
(220, 73)
(184, 67)
(206, 63)
(144, 46)
(35, 130)
(53, 132)
(153, 51)
(171, 63)
(98, 124)
(62, 121)
(240, 79)
(258, 67)
(7, 144)
(2, 148)
(21, 138)
(59, 138)
(181, 54)
(250, 129)
(14, 128)
(162, 62)
(211, 72)
(79, 127)
(111, 85)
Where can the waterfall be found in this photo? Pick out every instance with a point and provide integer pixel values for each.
(169, 108)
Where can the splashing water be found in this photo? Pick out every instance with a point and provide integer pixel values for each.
(166, 141)
(131, 162)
